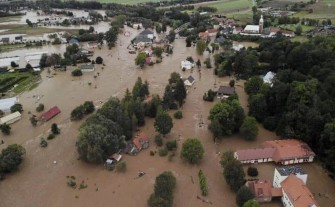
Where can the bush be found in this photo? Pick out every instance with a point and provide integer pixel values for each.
(40, 107)
(77, 72)
(43, 143)
(163, 152)
(178, 114)
(50, 137)
(33, 120)
(192, 151)
(209, 95)
(5, 129)
(171, 145)
(152, 153)
(203, 183)
(54, 129)
(159, 140)
(121, 167)
(99, 60)
(11, 157)
(16, 107)
(252, 171)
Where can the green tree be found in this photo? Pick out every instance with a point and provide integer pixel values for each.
(5, 129)
(163, 123)
(77, 113)
(77, 72)
(226, 158)
(243, 195)
(158, 28)
(88, 107)
(16, 107)
(203, 183)
(111, 36)
(249, 129)
(99, 60)
(192, 151)
(164, 188)
(40, 107)
(258, 106)
(178, 114)
(251, 203)
(11, 157)
(234, 174)
(201, 47)
(140, 89)
(298, 30)
(140, 59)
(253, 85)
(180, 92)
(33, 120)
(168, 98)
(54, 129)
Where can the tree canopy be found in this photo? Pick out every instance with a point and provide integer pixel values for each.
(232, 171)
(249, 129)
(163, 191)
(244, 194)
(192, 151)
(11, 157)
(163, 123)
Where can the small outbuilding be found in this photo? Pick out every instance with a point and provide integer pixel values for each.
(189, 81)
(87, 68)
(11, 118)
(225, 91)
(46, 116)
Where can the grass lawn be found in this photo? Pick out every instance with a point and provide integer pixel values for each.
(8, 47)
(226, 6)
(292, 27)
(25, 29)
(9, 19)
(323, 9)
(27, 80)
(300, 39)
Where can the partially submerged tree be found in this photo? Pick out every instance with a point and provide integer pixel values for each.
(11, 157)
(163, 123)
(192, 151)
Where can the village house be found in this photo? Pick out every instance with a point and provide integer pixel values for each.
(284, 152)
(11, 118)
(225, 91)
(237, 30)
(281, 173)
(268, 78)
(87, 68)
(289, 184)
(112, 160)
(51, 113)
(189, 81)
(143, 39)
(139, 142)
(5, 104)
(296, 193)
(186, 65)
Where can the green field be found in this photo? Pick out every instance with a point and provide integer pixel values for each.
(23, 81)
(229, 6)
(131, 2)
(292, 27)
(25, 29)
(323, 9)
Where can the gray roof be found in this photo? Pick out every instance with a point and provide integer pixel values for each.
(226, 90)
(141, 39)
(145, 33)
(287, 170)
(190, 78)
(90, 66)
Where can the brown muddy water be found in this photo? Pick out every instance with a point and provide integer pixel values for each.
(39, 182)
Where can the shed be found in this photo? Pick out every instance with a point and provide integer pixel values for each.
(46, 116)
(189, 81)
(5, 104)
(11, 118)
(87, 68)
(225, 91)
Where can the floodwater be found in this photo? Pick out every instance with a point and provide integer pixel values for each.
(39, 182)
(244, 44)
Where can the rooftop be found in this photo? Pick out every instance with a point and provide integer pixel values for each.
(288, 170)
(253, 154)
(226, 90)
(261, 188)
(51, 113)
(298, 193)
(190, 78)
(252, 28)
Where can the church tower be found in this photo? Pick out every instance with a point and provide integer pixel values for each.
(261, 24)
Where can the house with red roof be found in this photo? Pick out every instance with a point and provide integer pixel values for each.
(46, 116)
(139, 142)
(285, 152)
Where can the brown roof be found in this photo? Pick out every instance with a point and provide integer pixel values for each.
(276, 192)
(140, 139)
(212, 31)
(298, 193)
(203, 34)
(261, 188)
(289, 149)
(226, 90)
(254, 154)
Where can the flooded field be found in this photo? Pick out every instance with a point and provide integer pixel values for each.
(40, 182)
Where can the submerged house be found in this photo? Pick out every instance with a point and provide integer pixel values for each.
(186, 65)
(225, 91)
(51, 113)
(87, 68)
(284, 152)
(139, 142)
(189, 81)
(11, 118)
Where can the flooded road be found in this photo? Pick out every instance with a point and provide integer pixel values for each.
(39, 182)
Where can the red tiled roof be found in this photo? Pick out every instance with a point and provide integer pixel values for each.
(140, 139)
(289, 149)
(297, 191)
(46, 116)
(276, 192)
(254, 154)
(261, 188)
